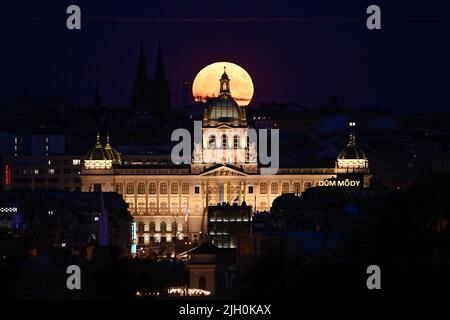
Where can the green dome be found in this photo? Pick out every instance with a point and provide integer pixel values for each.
(224, 109)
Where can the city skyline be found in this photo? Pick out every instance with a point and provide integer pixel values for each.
(324, 50)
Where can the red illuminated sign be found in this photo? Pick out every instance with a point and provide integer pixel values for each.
(7, 175)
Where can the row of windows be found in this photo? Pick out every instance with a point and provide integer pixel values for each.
(212, 142)
(45, 171)
(174, 188)
(274, 187)
(162, 227)
(152, 187)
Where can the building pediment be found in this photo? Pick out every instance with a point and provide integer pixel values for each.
(223, 170)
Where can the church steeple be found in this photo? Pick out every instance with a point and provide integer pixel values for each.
(160, 74)
(160, 89)
(141, 95)
(142, 66)
(225, 83)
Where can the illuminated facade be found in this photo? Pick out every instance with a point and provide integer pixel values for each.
(171, 201)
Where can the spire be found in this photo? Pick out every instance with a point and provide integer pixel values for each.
(225, 83)
(160, 74)
(97, 99)
(142, 66)
(98, 138)
(140, 96)
(352, 138)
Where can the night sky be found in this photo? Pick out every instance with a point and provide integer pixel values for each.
(301, 51)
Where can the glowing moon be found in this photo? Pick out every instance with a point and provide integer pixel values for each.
(206, 83)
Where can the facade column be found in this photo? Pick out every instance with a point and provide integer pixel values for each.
(157, 197)
(146, 198)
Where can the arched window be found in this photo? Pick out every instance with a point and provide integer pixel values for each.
(163, 227)
(141, 227)
(151, 227)
(212, 142)
(224, 141)
(174, 228)
(236, 143)
(202, 283)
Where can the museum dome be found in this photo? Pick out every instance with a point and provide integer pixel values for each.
(352, 156)
(98, 152)
(224, 108)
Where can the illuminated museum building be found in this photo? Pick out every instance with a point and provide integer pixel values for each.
(170, 201)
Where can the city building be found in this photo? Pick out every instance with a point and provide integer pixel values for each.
(171, 200)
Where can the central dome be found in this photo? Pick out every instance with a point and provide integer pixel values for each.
(224, 108)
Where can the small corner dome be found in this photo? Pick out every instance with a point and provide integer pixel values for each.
(113, 153)
(98, 152)
(352, 152)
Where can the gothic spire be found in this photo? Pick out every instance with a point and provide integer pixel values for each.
(142, 66)
(160, 74)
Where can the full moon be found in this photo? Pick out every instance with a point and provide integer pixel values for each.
(206, 83)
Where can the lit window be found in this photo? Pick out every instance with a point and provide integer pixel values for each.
(163, 188)
(174, 188)
(141, 188)
(263, 188)
(51, 171)
(224, 141)
(236, 143)
(212, 142)
(152, 188)
(130, 188)
(185, 188)
(296, 187)
(274, 187)
(76, 162)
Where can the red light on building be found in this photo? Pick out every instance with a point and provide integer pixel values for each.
(7, 175)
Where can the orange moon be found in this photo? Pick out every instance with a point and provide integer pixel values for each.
(206, 83)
